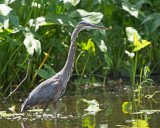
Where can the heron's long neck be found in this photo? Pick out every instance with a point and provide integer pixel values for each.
(68, 67)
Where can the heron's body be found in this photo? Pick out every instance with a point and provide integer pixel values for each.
(39, 96)
(52, 89)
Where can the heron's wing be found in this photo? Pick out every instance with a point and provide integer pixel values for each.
(45, 92)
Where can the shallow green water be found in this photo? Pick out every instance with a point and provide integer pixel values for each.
(72, 114)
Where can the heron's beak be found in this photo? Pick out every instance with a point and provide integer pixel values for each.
(99, 27)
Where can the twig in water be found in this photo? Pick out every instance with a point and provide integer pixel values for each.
(20, 83)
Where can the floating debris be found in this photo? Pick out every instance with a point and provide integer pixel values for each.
(93, 107)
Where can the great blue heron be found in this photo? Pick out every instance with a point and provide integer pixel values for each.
(51, 90)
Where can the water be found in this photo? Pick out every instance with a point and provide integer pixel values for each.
(72, 114)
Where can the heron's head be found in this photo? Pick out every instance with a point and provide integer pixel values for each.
(85, 25)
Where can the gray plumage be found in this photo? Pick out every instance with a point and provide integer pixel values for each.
(53, 88)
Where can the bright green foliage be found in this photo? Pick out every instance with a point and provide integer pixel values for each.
(89, 47)
(134, 38)
(92, 17)
(46, 74)
(138, 45)
(132, 9)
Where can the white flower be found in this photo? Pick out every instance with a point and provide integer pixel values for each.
(131, 55)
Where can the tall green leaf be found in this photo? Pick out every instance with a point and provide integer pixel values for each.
(132, 10)
(54, 19)
(7, 15)
(155, 24)
(138, 45)
(46, 73)
(92, 17)
(151, 17)
(141, 2)
(89, 47)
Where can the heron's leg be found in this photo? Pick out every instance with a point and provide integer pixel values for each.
(55, 108)
(55, 123)
(44, 108)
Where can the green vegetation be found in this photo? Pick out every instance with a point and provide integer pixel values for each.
(41, 30)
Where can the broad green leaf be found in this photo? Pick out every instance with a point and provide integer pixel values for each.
(136, 42)
(92, 17)
(108, 60)
(127, 107)
(145, 43)
(89, 47)
(73, 2)
(155, 24)
(58, 45)
(132, 10)
(141, 2)
(50, 70)
(7, 2)
(130, 34)
(32, 44)
(7, 15)
(46, 74)
(43, 73)
(13, 18)
(153, 16)
(54, 19)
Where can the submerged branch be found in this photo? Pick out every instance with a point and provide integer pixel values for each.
(20, 83)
